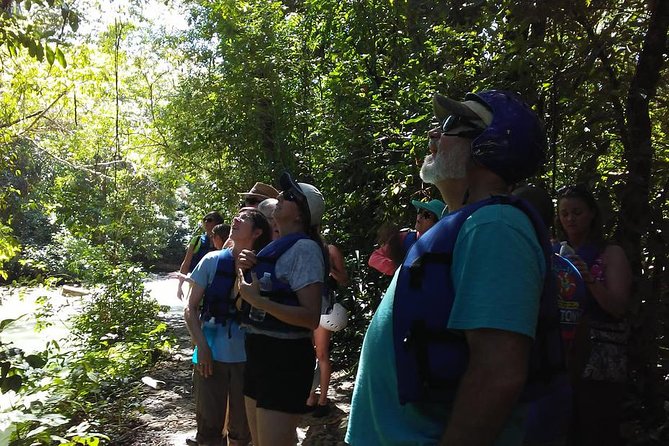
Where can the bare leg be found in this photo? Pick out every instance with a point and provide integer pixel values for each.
(276, 428)
(313, 399)
(322, 344)
(251, 416)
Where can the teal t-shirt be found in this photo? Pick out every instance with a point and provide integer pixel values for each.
(226, 342)
(494, 246)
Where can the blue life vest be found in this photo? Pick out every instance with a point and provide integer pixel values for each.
(409, 240)
(548, 418)
(217, 302)
(430, 359)
(281, 292)
(202, 246)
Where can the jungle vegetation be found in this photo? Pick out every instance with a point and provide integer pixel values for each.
(114, 143)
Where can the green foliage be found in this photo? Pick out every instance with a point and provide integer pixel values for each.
(120, 311)
(36, 26)
(75, 393)
(9, 247)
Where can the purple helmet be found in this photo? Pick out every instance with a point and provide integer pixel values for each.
(513, 145)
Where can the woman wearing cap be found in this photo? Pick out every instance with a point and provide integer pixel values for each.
(198, 247)
(281, 318)
(395, 245)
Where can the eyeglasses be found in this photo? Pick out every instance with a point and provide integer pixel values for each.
(427, 215)
(454, 121)
(292, 196)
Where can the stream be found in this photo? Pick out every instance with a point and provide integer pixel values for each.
(22, 302)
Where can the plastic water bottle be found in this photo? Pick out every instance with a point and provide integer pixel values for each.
(256, 314)
(566, 250)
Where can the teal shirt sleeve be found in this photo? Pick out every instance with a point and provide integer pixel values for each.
(498, 272)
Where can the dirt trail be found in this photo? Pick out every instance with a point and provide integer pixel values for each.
(168, 416)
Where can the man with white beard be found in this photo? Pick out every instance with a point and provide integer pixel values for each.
(445, 358)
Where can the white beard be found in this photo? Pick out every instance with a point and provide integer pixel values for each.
(448, 164)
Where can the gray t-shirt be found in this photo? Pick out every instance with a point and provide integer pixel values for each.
(299, 266)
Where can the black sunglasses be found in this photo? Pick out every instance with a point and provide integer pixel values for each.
(290, 195)
(453, 121)
(427, 215)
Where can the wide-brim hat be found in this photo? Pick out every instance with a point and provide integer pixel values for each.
(261, 191)
(313, 197)
(435, 206)
(470, 109)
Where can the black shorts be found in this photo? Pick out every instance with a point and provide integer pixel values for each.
(279, 372)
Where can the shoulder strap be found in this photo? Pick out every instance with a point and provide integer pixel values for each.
(276, 248)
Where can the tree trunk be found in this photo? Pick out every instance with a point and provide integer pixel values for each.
(636, 219)
(638, 155)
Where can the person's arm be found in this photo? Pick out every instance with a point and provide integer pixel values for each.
(490, 387)
(204, 359)
(307, 314)
(614, 292)
(185, 264)
(337, 266)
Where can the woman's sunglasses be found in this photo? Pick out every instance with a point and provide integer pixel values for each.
(427, 215)
(291, 195)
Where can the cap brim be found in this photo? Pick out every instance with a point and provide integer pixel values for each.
(419, 205)
(250, 194)
(287, 182)
(444, 107)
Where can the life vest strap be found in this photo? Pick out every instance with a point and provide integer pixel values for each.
(417, 268)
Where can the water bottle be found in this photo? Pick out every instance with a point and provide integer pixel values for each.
(256, 314)
(566, 250)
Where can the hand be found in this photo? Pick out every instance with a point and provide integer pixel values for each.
(250, 291)
(582, 268)
(246, 259)
(180, 293)
(205, 363)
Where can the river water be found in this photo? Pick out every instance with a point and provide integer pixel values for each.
(22, 303)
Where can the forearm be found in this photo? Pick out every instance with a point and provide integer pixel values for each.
(293, 315)
(192, 317)
(194, 327)
(482, 406)
(613, 304)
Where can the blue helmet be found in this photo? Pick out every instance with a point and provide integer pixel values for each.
(513, 145)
